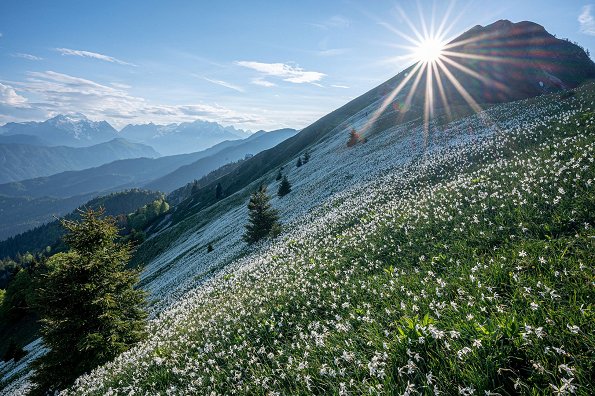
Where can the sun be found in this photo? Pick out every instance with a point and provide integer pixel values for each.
(428, 50)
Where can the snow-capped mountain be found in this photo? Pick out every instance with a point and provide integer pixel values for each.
(74, 130)
(186, 137)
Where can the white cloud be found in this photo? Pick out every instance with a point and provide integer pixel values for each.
(586, 21)
(57, 93)
(27, 56)
(262, 82)
(94, 55)
(9, 97)
(339, 86)
(225, 84)
(293, 74)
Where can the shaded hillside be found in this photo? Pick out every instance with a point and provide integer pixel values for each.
(37, 239)
(25, 161)
(252, 145)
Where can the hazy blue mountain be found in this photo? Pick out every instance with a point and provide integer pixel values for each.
(252, 145)
(73, 130)
(23, 139)
(186, 137)
(26, 161)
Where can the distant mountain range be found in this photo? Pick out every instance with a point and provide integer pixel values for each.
(64, 130)
(20, 161)
(187, 137)
(30, 203)
(76, 130)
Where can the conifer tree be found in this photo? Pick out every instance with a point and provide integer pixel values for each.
(299, 162)
(284, 187)
(219, 191)
(279, 175)
(306, 157)
(209, 247)
(262, 218)
(90, 311)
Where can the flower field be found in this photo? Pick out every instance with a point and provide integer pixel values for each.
(464, 266)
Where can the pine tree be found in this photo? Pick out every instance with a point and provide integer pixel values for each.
(219, 191)
(209, 247)
(262, 217)
(299, 162)
(90, 311)
(279, 175)
(306, 157)
(284, 187)
(354, 138)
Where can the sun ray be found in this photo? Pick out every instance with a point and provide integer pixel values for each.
(441, 91)
(390, 98)
(459, 87)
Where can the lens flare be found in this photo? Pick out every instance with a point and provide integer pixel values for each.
(429, 50)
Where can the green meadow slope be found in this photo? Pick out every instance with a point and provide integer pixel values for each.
(468, 271)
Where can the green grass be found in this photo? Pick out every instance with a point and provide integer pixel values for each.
(474, 276)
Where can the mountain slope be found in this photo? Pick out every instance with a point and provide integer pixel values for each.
(25, 161)
(252, 145)
(182, 138)
(74, 130)
(515, 52)
(461, 266)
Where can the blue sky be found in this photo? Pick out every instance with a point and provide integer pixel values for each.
(251, 64)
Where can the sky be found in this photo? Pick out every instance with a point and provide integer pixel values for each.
(251, 64)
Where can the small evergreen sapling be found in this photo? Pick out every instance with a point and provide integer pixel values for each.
(262, 218)
(284, 187)
(306, 157)
(299, 162)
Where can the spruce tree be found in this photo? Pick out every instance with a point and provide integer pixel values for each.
(262, 218)
(209, 247)
(306, 157)
(299, 162)
(279, 175)
(219, 191)
(90, 311)
(284, 187)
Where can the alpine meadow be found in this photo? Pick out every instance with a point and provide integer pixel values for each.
(346, 198)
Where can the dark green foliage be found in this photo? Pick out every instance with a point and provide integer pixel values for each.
(219, 191)
(284, 187)
(262, 217)
(209, 248)
(299, 162)
(306, 157)
(144, 216)
(13, 352)
(279, 175)
(50, 234)
(90, 311)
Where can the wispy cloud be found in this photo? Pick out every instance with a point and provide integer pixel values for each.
(339, 86)
(586, 21)
(94, 55)
(293, 74)
(224, 84)
(262, 82)
(57, 93)
(332, 51)
(9, 97)
(334, 22)
(27, 56)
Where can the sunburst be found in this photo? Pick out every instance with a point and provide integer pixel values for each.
(435, 57)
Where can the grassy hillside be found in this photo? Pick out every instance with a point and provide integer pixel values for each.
(467, 270)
